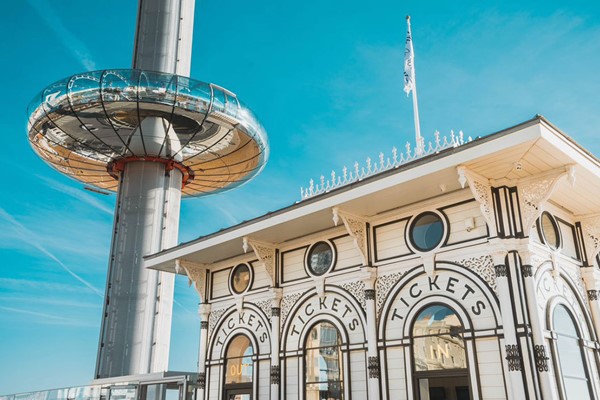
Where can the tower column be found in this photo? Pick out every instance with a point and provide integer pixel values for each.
(136, 325)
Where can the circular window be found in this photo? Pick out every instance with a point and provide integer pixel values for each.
(320, 258)
(549, 229)
(426, 231)
(240, 278)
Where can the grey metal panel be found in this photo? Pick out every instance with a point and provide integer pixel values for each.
(164, 36)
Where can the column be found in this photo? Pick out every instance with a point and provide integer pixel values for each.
(591, 278)
(515, 386)
(540, 350)
(372, 348)
(275, 329)
(204, 311)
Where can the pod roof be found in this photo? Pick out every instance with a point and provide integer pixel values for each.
(84, 124)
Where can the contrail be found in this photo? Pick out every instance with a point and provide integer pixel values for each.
(76, 193)
(77, 48)
(23, 233)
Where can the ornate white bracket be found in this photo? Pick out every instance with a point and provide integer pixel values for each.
(196, 273)
(357, 229)
(481, 190)
(536, 190)
(265, 252)
(590, 227)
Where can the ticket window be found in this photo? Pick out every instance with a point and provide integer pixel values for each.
(323, 363)
(439, 355)
(239, 369)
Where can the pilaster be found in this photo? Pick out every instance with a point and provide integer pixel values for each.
(204, 311)
(537, 322)
(369, 277)
(591, 279)
(512, 350)
(275, 377)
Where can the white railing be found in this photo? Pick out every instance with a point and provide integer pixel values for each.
(372, 168)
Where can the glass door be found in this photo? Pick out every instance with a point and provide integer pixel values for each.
(239, 394)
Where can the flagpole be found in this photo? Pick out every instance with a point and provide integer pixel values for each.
(419, 140)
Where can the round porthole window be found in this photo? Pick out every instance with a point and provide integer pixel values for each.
(549, 229)
(240, 278)
(319, 259)
(426, 231)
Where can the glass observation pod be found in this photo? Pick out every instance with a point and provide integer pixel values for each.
(84, 125)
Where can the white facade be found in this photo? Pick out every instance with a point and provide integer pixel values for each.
(468, 274)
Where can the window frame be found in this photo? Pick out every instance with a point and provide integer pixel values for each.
(456, 372)
(410, 229)
(250, 280)
(556, 227)
(558, 368)
(241, 386)
(341, 357)
(331, 267)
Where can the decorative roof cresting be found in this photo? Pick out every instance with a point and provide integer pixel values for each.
(384, 164)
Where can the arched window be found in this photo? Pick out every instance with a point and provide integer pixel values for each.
(323, 363)
(439, 355)
(239, 368)
(575, 379)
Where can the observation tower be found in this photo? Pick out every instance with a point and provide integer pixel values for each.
(152, 135)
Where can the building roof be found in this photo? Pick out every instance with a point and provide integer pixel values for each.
(531, 148)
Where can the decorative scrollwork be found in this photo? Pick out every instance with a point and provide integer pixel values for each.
(513, 357)
(527, 271)
(541, 359)
(535, 191)
(196, 274)
(357, 229)
(275, 374)
(590, 228)
(383, 286)
(575, 275)
(501, 271)
(484, 267)
(265, 252)
(357, 289)
(265, 306)
(481, 191)
(287, 302)
(201, 380)
(215, 316)
(373, 367)
(369, 294)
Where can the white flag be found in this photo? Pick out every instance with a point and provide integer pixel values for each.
(409, 62)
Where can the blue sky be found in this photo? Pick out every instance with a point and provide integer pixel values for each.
(324, 77)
